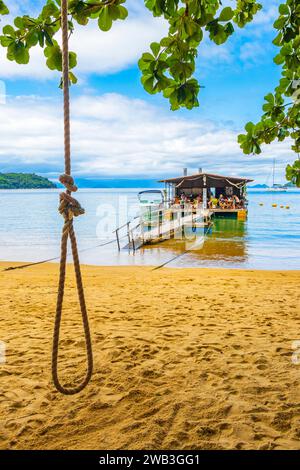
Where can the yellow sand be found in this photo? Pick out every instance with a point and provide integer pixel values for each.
(184, 359)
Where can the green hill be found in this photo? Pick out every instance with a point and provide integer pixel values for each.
(24, 181)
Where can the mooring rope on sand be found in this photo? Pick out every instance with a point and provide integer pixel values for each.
(35, 263)
(170, 260)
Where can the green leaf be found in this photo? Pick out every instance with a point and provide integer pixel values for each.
(249, 127)
(226, 14)
(3, 8)
(48, 38)
(166, 42)
(284, 9)
(105, 20)
(148, 83)
(18, 52)
(49, 10)
(279, 59)
(280, 22)
(113, 12)
(9, 31)
(123, 12)
(270, 98)
(19, 22)
(229, 29)
(155, 48)
(293, 173)
(41, 36)
(278, 40)
(5, 41)
(72, 78)
(72, 60)
(54, 58)
(32, 38)
(147, 57)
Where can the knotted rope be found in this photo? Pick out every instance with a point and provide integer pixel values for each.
(69, 208)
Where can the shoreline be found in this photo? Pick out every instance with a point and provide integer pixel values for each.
(148, 267)
(184, 359)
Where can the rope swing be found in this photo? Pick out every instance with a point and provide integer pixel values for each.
(69, 208)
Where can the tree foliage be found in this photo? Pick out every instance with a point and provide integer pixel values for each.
(169, 66)
(281, 118)
(3, 8)
(24, 181)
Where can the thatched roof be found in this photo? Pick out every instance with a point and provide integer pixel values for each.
(209, 180)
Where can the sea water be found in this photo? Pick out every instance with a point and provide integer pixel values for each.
(30, 230)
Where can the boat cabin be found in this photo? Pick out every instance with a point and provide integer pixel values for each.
(217, 193)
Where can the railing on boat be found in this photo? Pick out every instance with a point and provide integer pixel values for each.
(154, 225)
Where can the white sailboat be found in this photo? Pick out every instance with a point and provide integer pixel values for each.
(276, 187)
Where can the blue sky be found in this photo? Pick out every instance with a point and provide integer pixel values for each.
(120, 130)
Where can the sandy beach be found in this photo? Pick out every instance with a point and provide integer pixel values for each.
(184, 359)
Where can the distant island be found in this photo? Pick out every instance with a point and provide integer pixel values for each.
(24, 181)
(265, 186)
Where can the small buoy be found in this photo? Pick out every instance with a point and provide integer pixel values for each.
(261, 203)
(274, 205)
(287, 207)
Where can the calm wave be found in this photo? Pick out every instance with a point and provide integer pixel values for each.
(30, 228)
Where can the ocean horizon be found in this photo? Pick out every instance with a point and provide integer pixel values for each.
(31, 227)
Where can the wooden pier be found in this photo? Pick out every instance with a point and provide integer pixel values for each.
(160, 225)
(177, 221)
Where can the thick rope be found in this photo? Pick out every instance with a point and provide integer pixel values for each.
(29, 265)
(69, 207)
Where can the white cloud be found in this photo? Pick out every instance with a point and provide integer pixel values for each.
(254, 52)
(98, 52)
(268, 13)
(115, 135)
(103, 53)
(117, 49)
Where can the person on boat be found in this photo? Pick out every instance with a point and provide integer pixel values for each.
(195, 202)
(230, 203)
(199, 200)
(236, 202)
(183, 200)
(222, 202)
(213, 202)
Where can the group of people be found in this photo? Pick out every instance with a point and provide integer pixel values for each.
(184, 199)
(228, 202)
(221, 202)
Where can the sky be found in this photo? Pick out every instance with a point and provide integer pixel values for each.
(120, 131)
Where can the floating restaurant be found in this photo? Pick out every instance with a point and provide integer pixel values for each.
(222, 195)
(188, 204)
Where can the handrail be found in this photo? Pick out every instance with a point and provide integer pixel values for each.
(156, 211)
(124, 225)
(188, 209)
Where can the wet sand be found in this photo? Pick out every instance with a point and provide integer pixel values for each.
(184, 359)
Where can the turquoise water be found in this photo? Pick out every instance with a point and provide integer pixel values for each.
(30, 229)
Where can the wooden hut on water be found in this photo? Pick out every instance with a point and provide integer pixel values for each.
(187, 204)
(210, 187)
